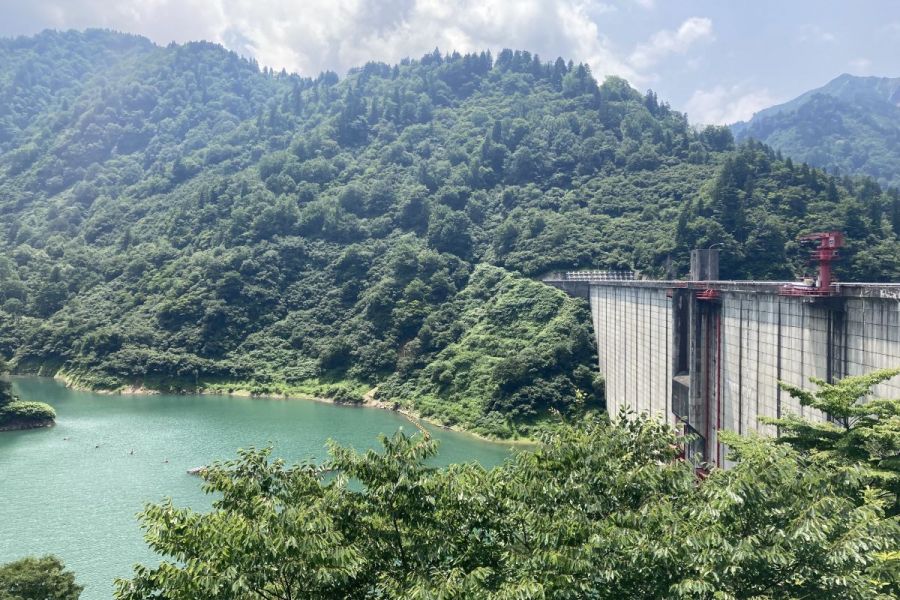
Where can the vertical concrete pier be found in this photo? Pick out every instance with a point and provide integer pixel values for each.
(707, 355)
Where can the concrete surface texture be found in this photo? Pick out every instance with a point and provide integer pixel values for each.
(708, 355)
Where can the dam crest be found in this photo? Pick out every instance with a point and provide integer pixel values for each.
(706, 355)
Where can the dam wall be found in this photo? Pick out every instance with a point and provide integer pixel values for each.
(708, 355)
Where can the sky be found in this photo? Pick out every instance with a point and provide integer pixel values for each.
(718, 60)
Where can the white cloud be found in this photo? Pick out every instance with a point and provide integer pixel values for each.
(723, 105)
(589, 45)
(666, 42)
(695, 63)
(308, 36)
(160, 20)
(860, 65)
(814, 33)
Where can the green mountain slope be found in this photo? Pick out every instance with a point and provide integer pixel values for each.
(177, 217)
(850, 125)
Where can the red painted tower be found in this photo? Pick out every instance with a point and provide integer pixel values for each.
(824, 254)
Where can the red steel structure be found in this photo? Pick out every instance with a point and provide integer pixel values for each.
(824, 254)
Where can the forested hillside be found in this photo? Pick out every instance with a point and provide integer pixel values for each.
(850, 125)
(178, 217)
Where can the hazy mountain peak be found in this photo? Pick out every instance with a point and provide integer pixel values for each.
(852, 124)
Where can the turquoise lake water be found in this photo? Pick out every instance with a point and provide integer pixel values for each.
(62, 494)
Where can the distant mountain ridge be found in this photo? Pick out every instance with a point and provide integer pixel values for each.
(851, 125)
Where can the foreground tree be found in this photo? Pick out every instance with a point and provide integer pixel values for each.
(600, 510)
(42, 578)
(861, 430)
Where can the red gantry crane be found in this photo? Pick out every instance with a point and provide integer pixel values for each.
(824, 254)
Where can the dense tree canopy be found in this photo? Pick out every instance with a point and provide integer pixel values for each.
(6, 393)
(598, 511)
(178, 216)
(859, 430)
(17, 414)
(44, 578)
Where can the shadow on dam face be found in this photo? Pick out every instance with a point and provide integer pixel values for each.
(707, 355)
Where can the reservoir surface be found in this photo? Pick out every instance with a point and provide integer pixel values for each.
(74, 490)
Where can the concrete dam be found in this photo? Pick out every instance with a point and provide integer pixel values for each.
(707, 355)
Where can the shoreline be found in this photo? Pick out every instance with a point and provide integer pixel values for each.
(26, 425)
(368, 402)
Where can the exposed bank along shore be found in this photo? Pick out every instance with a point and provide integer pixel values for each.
(369, 401)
